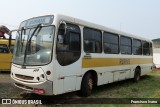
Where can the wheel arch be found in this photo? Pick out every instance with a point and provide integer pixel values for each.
(94, 74)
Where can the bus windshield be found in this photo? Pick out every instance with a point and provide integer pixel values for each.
(34, 46)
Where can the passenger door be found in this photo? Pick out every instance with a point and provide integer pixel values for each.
(68, 51)
(5, 58)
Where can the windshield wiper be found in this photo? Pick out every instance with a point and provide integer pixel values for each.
(22, 39)
(29, 40)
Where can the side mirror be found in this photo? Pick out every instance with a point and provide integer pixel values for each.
(10, 36)
(60, 39)
(63, 27)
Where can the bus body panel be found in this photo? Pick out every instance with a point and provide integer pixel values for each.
(68, 77)
(47, 86)
(28, 79)
(5, 55)
(5, 62)
(110, 68)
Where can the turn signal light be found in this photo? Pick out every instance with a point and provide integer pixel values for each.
(48, 72)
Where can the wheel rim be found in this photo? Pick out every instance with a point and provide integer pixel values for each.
(90, 83)
(138, 76)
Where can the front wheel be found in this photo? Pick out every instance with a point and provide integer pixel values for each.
(87, 85)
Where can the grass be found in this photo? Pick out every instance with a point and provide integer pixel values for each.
(147, 87)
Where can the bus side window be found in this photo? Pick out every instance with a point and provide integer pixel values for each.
(92, 40)
(89, 46)
(137, 47)
(146, 48)
(4, 49)
(68, 47)
(111, 43)
(151, 49)
(126, 45)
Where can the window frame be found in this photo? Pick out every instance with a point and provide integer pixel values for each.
(151, 48)
(137, 47)
(79, 35)
(8, 50)
(143, 42)
(112, 34)
(92, 40)
(122, 36)
(62, 55)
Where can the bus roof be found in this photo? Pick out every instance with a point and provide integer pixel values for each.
(60, 17)
(96, 26)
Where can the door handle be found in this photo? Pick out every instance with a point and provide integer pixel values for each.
(122, 72)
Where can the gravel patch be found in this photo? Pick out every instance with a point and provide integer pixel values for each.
(7, 89)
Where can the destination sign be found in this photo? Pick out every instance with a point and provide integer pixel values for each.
(46, 20)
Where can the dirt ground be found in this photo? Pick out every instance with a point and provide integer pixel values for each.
(7, 89)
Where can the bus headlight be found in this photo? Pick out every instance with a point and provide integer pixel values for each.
(41, 77)
(38, 78)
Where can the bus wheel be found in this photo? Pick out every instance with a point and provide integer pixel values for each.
(87, 85)
(137, 75)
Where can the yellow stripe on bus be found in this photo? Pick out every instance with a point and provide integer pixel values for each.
(102, 62)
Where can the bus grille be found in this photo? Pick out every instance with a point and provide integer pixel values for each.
(24, 77)
(23, 86)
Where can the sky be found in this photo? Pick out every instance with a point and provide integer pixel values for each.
(137, 17)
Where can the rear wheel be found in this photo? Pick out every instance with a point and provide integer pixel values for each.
(137, 74)
(87, 85)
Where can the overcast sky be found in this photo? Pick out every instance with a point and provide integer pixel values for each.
(138, 17)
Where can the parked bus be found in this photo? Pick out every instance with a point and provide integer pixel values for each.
(6, 54)
(56, 54)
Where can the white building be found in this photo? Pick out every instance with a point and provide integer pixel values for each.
(156, 52)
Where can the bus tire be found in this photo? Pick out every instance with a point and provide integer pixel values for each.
(137, 74)
(87, 85)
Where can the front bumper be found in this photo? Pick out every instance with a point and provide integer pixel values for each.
(47, 86)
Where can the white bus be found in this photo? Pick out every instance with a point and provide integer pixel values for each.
(56, 54)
